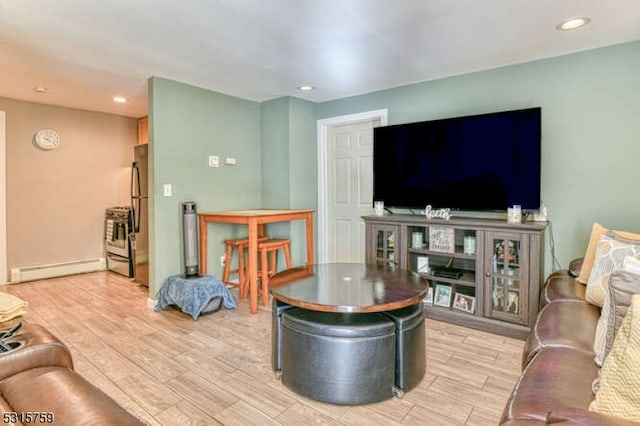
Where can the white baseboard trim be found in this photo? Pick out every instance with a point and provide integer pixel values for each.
(40, 272)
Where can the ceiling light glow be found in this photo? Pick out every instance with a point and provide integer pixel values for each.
(305, 88)
(572, 23)
(120, 99)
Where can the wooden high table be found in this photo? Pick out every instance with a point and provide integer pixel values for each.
(255, 219)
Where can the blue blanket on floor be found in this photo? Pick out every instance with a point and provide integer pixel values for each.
(192, 295)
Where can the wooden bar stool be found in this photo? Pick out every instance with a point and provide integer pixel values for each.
(267, 252)
(240, 245)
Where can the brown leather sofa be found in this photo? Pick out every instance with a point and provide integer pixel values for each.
(38, 384)
(558, 365)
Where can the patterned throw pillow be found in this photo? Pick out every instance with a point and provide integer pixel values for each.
(610, 253)
(619, 393)
(622, 286)
(597, 231)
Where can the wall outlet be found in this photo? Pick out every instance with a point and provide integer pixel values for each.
(222, 260)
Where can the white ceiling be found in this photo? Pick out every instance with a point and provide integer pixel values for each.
(86, 51)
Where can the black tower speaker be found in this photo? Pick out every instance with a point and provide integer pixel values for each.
(190, 236)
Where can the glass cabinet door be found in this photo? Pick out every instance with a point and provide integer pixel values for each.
(507, 297)
(385, 242)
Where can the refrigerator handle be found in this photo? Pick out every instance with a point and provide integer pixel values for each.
(136, 205)
(135, 180)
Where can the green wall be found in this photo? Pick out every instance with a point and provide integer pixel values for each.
(590, 145)
(590, 130)
(303, 188)
(187, 124)
(289, 165)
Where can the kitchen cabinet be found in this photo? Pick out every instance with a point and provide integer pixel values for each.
(143, 130)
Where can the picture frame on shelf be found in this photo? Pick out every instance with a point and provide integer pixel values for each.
(428, 298)
(464, 302)
(422, 265)
(442, 239)
(417, 240)
(442, 296)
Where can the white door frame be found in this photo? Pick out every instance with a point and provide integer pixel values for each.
(3, 199)
(323, 126)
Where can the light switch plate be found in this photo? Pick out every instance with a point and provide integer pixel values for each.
(167, 189)
(214, 161)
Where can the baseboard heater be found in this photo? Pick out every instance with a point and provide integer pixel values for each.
(39, 272)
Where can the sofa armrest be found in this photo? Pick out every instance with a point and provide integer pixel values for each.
(575, 265)
(561, 286)
(70, 398)
(37, 347)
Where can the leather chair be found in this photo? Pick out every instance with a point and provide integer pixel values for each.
(37, 375)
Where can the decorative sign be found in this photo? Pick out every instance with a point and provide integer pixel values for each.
(430, 213)
(441, 239)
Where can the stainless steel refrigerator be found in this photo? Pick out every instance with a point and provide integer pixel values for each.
(140, 207)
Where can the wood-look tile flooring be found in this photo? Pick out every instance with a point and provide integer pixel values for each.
(172, 370)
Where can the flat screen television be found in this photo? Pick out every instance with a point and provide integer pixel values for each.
(485, 162)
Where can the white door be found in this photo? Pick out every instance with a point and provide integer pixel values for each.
(349, 188)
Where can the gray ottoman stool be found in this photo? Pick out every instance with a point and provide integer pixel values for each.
(338, 358)
(411, 361)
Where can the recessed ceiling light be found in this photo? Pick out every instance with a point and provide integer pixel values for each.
(40, 89)
(120, 99)
(305, 88)
(572, 23)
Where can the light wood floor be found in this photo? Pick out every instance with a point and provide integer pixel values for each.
(171, 370)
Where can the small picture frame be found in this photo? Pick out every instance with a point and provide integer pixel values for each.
(428, 298)
(463, 302)
(423, 265)
(442, 296)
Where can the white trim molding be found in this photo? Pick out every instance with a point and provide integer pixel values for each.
(322, 129)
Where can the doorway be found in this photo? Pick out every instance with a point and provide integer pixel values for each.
(345, 184)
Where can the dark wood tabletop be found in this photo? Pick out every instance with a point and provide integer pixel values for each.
(348, 287)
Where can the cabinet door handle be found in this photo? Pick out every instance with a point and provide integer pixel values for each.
(487, 274)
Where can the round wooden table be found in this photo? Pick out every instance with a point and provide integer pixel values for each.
(348, 287)
(348, 333)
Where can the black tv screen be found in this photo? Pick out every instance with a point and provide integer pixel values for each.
(480, 162)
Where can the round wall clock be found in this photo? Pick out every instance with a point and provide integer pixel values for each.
(46, 139)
